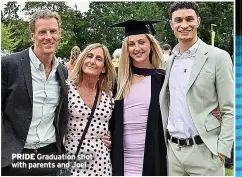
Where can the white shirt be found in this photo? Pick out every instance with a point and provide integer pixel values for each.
(166, 57)
(180, 123)
(46, 94)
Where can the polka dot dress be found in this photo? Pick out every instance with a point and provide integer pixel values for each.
(94, 155)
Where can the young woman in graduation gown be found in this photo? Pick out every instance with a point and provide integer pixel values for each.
(138, 143)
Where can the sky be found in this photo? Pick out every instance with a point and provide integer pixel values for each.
(82, 5)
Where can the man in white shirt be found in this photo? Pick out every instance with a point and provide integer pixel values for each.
(166, 49)
(34, 101)
(199, 79)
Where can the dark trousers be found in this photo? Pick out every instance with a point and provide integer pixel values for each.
(38, 167)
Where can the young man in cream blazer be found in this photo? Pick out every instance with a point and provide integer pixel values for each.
(199, 78)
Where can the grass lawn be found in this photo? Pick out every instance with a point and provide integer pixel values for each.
(229, 172)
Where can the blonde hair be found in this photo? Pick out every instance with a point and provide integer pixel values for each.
(125, 72)
(43, 14)
(75, 52)
(106, 79)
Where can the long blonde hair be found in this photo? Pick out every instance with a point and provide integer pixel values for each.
(125, 72)
(106, 79)
(75, 52)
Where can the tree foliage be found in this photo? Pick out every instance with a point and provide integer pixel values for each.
(83, 28)
(8, 42)
(10, 11)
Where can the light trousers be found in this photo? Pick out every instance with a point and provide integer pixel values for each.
(196, 160)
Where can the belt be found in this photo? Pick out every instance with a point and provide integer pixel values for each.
(48, 147)
(186, 142)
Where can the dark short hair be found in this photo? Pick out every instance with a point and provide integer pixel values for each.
(166, 47)
(183, 5)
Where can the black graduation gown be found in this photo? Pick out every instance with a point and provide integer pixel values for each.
(155, 155)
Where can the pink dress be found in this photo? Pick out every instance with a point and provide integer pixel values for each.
(136, 108)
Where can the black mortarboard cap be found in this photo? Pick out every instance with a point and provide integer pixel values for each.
(134, 27)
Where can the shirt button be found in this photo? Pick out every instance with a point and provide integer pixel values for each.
(23, 139)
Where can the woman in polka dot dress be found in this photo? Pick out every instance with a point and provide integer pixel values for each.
(93, 66)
